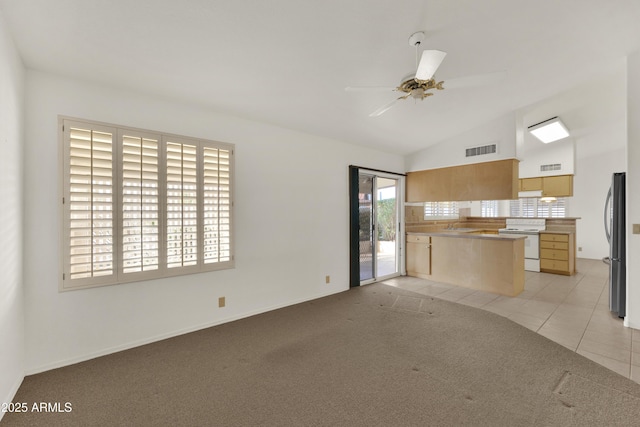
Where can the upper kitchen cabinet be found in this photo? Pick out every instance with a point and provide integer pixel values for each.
(548, 186)
(531, 184)
(557, 186)
(496, 180)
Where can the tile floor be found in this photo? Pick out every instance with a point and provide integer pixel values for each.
(570, 310)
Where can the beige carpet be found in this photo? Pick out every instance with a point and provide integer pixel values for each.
(371, 356)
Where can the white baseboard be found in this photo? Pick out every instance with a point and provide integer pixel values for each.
(12, 393)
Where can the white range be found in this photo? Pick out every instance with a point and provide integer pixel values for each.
(529, 228)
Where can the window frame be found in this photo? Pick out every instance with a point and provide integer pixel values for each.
(118, 276)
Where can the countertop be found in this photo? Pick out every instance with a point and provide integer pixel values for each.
(467, 233)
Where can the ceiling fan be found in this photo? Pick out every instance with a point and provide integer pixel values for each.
(421, 84)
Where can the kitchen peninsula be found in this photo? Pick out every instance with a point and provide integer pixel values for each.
(468, 257)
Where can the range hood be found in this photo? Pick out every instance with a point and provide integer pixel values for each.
(534, 193)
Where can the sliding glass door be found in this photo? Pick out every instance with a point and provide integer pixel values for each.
(366, 225)
(375, 225)
(386, 227)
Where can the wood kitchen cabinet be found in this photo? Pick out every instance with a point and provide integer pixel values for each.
(557, 253)
(551, 186)
(531, 184)
(557, 186)
(419, 256)
(496, 180)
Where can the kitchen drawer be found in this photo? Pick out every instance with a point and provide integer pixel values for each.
(554, 254)
(547, 244)
(413, 238)
(552, 264)
(554, 237)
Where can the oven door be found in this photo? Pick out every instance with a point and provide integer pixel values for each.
(531, 249)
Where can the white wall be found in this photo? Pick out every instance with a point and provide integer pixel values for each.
(451, 152)
(633, 184)
(11, 283)
(291, 223)
(595, 115)
(590, 186)
(559, 152)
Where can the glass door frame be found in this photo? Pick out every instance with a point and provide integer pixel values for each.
(354, 223)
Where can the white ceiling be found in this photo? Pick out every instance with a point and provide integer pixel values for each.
(287, 62)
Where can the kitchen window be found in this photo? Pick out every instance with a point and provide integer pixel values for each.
(536, 208)
(441, 210)
(489, 208)
(141, 205)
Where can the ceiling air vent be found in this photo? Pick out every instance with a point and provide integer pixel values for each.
(481, 150)
(551, 167)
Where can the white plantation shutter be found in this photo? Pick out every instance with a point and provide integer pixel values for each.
(533, 207)
(217, 205)
(559, 208)
(88, 203)
(525, 207)
(489, 208)
(182, 205)
(139, 205)
(441, 210)
(528, 208)
(555, 209)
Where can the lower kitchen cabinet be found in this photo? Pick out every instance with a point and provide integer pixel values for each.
(418, 256)
(557, 253)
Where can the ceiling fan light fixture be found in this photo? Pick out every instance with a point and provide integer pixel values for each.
(549, 130)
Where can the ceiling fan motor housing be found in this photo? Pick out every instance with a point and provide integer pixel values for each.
(419, 88)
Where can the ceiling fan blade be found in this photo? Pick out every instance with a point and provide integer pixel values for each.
(475, 80)
(429, 63)
(386, 107)
(369, 89)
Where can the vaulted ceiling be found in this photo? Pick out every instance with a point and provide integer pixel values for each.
(287, 62)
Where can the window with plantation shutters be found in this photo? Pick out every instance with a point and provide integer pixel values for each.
(139, 205)
(538, 208)
(441, 210)
(89, 202)
(489, 208)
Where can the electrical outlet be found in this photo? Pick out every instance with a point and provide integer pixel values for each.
(579, 248)
(221, 302)
(327, 279)
(636, 228)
